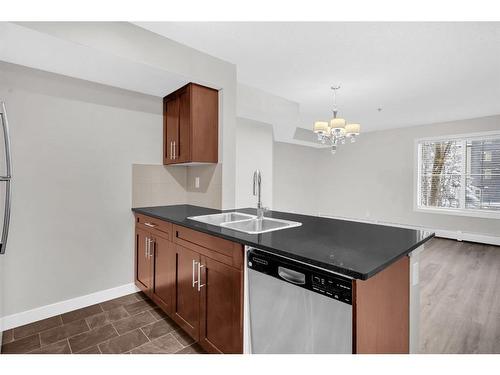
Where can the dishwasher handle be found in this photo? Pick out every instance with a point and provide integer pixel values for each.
(291, 276)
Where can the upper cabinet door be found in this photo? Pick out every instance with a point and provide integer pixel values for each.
(221, 300)
(191, 125)
(183, 151)
(205, 124)
(170, 129)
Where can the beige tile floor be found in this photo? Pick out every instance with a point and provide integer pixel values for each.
(129, 324)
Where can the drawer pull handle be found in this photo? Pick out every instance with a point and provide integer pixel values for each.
(150, 225)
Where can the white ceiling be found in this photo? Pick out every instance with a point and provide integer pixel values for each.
(417, 72)
(23, 46)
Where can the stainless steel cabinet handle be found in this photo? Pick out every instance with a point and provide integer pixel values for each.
(171, 149)
(200, 285)
(292, 276)
(194, 266)
(6, 178)
(146, 248)
(151, 241)
(175, 150)
(150, 225)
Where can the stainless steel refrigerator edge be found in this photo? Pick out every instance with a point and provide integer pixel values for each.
(6, 178)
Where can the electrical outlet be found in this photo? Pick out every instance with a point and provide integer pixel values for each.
(197, 182)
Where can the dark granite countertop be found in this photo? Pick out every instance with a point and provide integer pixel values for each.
(358, 250)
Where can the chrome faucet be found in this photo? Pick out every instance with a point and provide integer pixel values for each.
(257, 183)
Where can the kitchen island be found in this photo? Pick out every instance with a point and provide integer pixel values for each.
(375, 257)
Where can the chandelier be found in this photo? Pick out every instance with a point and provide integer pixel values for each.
(337, 130)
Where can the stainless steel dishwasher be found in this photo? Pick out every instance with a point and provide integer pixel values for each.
(296, 308)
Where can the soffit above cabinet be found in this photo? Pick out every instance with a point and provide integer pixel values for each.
(24, 46)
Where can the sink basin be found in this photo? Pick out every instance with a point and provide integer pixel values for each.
(218, 219)
(257, 226)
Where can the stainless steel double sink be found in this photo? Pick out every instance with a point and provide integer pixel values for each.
(245, 223)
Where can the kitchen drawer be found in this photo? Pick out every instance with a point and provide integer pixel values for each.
(224, 251)
(151, 224)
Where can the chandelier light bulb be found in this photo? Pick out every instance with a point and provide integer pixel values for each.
(321, 127)
(337, 123)
(352, 129)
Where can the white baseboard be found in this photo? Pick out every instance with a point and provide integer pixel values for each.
(451, 234)
(465, 236)
(43, 312)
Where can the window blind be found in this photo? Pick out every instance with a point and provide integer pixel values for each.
(459, 173)
(483, 174)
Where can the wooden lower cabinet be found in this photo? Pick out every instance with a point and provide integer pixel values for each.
(194, 279)
(221, 301)
(143, 261)
(163, 275)
(381, 311)
(186, 305)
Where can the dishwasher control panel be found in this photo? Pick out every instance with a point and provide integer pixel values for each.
(332, 287)
(303, 276)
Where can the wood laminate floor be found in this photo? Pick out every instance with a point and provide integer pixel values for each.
(460, 297)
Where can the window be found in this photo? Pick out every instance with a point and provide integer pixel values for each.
(460, 175)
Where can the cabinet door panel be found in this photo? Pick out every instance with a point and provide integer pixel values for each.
(186, 299)
(221, 326)
(142, 261)
(164, 273)
(183, 149)
(171, 130)
(204, 120)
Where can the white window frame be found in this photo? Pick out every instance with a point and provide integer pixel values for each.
(450, 211)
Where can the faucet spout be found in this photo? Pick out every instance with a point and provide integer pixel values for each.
(257, 182)
(257, 189)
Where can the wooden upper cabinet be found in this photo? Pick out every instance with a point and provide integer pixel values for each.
(170, 128)
(191, 125)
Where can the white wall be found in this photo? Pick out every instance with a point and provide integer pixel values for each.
(134, 44)
(73, 146)
(372, 179)
(282, 114)
(254, 150)
(296, 178)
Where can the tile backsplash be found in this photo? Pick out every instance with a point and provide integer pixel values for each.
(157, 185)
